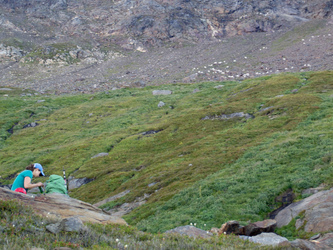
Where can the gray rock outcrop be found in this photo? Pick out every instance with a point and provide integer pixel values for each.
(76, 183)
(58, 206)
(318, 212)
(112, 198)
(270, 239)
(71, 224)
(229, 116)
(190, 231)
(100, 155)
(150, 22)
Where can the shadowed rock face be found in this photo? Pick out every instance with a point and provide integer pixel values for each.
(60, 206)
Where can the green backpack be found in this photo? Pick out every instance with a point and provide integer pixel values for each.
(56, 184)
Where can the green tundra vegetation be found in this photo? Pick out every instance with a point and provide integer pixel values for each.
(203, 171)
(21, 228)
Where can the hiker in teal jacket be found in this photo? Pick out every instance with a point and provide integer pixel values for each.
(23, 181)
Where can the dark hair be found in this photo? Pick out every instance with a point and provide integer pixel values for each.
(30, 167)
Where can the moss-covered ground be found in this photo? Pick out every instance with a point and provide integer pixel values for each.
(200, 171)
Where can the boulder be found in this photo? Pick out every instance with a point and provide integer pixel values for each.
(271, 239)
(71, 224)
(190, 231)
(230, 227)
(259, 227)
(59, 206)
(162, 92)
(318, 212)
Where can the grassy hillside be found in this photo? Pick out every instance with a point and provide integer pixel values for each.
(202, 171)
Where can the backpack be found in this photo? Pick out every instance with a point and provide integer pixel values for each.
(56, 184)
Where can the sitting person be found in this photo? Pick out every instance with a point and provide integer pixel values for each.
(23, 181)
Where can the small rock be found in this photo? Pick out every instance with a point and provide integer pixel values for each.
(39, 101)
(219, 87)
(31, 125)
(162, 92)
(161, 104)
(152, 184)
(294, 91)
(100, 155)
(5, 89)
(195, 91)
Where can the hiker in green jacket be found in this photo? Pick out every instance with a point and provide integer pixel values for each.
(23, 181)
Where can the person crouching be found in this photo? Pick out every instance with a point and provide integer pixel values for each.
(23, 181)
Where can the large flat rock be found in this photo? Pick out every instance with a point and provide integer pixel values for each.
(61, 206)
(317, 209)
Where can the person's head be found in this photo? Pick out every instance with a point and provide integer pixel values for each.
(36, 168)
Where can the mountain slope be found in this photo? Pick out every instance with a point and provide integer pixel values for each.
(280, 131)
(59, 46)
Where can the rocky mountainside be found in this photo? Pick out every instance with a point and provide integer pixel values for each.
(63, 46)
(135, 23)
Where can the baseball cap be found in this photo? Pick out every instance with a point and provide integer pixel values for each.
(38, 166)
